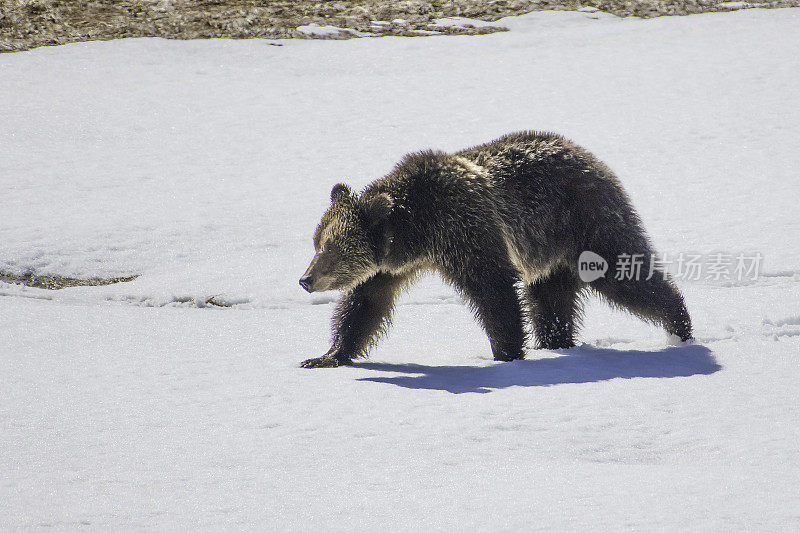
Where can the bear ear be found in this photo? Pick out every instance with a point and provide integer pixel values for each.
(379, 208)
(340, 192)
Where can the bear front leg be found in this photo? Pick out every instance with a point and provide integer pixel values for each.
(361, 315)
(490, 288)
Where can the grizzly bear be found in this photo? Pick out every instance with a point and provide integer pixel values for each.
(504, 223)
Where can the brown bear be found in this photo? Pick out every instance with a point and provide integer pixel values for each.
(504, 223)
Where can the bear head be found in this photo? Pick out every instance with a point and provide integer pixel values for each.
(350, 241)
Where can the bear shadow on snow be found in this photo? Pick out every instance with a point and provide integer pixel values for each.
(584, 364)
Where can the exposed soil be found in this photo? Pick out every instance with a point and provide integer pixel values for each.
(59, 282)
(26, 24)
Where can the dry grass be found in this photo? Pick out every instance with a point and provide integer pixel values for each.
(58, 282)
(26, 24)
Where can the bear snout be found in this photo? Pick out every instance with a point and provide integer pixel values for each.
(307, 282)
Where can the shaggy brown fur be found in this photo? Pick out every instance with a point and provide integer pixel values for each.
(513, 213)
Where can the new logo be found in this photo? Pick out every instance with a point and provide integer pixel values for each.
(591, 266)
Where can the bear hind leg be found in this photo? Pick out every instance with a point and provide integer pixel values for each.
(655, 300)
(555, 308)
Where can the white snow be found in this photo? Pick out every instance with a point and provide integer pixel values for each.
(738, 5)
(461, 22)
(316, 30)
(204, 167)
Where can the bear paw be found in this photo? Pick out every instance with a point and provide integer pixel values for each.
(503, 355)
(326, 361)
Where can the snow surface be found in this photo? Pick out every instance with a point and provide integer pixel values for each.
(204, 167)
(738, 5)
(461, 22)
(316, 30)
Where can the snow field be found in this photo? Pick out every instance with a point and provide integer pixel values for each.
(203, 166)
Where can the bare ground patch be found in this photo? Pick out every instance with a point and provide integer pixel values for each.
(26, 24)
(58, 282)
